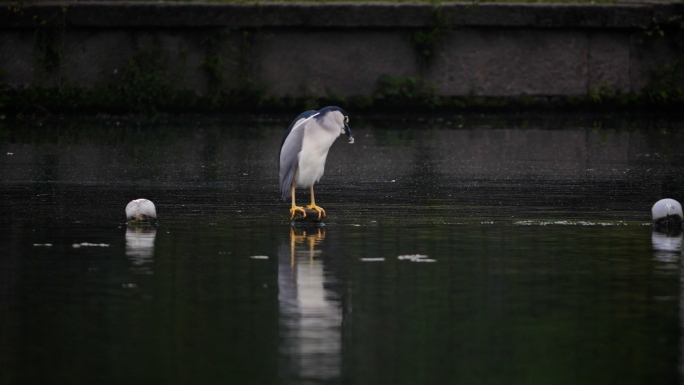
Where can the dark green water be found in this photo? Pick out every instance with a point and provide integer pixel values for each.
(538, 264)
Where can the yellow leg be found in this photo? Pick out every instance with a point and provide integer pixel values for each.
(313, 205)
(295, 208)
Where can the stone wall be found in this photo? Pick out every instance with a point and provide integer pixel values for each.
(300, 49)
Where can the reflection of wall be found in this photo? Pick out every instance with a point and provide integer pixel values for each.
(377, 155)
(488, 153)
(310, 314)
(127, 153)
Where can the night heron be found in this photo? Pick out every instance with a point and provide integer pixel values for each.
(141, 210)
(667, 214)
(304, 150)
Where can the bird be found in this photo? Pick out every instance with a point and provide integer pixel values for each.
(141, 210)
(667, 214)
(304, 149)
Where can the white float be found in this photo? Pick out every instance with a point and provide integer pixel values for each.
(667, 214)
(141, 210)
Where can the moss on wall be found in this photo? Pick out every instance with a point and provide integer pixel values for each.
(667, 79)
(408, 96)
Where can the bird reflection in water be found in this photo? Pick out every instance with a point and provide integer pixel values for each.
(140, 248)
(310, 311)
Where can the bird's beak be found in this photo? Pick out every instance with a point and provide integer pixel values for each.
(347, 131)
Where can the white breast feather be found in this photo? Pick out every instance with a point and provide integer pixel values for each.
(314, 152)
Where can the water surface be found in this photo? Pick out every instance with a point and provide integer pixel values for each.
(474, 250)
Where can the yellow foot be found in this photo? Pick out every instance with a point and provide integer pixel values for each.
(295, 209)
(319, 209)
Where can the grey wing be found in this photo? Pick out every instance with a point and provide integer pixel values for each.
(289, 159)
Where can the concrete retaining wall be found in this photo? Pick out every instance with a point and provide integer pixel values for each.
(294, 49)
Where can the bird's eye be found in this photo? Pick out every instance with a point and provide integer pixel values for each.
(346, 119)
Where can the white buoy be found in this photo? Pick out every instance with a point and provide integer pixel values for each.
(667, 214)
(141, 210)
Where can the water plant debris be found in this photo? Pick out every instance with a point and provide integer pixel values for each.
(415, 258)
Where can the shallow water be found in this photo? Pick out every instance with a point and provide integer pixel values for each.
(475, 250)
